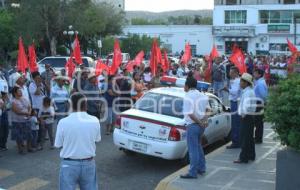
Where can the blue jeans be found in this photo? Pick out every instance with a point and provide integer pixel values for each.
(34, 138)
(235, 124)
(196, 154)
(82, 173)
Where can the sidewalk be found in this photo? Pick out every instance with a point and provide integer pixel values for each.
(223, 174)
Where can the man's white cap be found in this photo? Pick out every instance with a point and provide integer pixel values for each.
(15, 77)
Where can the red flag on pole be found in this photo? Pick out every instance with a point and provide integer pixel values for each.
(117, 58)
(153, 58)
(136, 62)
(100, 67)
(213, 54)
(77, 52)
(70, 66)
(32, 59)
(238, 59)
(292, 47)
(187, 56)
(165, 62)
(22, 62)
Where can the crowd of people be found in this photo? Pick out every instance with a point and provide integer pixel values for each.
(32, 106)
(39, 101)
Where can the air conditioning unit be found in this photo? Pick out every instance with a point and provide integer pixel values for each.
(264, 39)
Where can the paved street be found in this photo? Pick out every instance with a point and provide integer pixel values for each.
(115, 170)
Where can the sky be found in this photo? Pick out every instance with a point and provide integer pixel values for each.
(167, 5)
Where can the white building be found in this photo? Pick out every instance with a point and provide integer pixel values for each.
(174, 37)
(117, 3)
(258, 26)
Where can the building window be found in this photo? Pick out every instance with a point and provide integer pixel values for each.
(194, 49)
(276, 16)
(278, 47)
(236, 17)
(231, 2)
(289, 2)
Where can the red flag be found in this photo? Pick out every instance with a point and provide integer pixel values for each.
(136, 62)
(100, 67)
(70, 66)
(187, 56)
(213, 54)
(292, 47)
(238, 59)
(165, 62)
(22, 62)
(32, 59)
(139, 58)
(154, 58)
(117, 59)
(77, 52)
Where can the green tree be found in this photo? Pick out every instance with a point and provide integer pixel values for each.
(7, 37)
(107, 45)
(133, 44)
(47, 19)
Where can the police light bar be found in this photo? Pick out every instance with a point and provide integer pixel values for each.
(180, 82)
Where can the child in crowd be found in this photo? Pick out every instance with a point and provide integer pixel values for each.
(46, 118)
(34, 125)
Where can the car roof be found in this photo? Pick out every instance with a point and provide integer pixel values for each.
(176, 91)
(67, 57)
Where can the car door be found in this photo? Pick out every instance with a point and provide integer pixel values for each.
(216, 122)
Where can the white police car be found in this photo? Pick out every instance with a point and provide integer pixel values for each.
(155, 125)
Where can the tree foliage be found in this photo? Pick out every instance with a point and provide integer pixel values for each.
(283, 110)
(7, 36)
(45, 21)
(133, 44)
(180, 20)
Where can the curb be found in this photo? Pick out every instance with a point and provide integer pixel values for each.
(166, 183)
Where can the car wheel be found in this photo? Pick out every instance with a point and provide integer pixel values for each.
(185, 160)
(129, 152)
(228, 137)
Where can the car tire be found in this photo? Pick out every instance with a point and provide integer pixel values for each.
(185, 160)
(129, 152)
(228, 137)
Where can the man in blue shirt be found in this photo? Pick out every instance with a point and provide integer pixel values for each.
(261, 92)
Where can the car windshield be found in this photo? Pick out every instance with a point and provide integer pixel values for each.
(160, 103)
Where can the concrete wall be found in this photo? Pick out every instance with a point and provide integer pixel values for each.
(177, 36)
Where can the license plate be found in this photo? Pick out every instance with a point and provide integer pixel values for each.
(140, 147)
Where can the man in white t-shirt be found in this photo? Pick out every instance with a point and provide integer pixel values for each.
(195, 107)
(77, 135)
(37, 91)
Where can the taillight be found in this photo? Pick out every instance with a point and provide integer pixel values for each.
(174, 134)
(118, 122)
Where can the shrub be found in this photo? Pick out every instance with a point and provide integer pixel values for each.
(283, 110)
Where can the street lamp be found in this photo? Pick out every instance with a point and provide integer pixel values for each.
(70, 32)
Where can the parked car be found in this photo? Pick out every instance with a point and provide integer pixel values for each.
(155, 124)
(59, 62)
(125, 58)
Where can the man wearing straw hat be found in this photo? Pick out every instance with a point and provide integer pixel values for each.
(60, 96)
(246, 110)
(92, 92)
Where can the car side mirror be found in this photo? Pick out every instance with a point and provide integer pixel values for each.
(226, 109)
